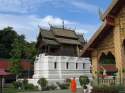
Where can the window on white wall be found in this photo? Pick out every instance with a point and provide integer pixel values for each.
(76, 65)
(55, 65)
(83, 65)
(67, 65)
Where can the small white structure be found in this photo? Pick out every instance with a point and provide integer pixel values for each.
(59, 68)
(57, 61)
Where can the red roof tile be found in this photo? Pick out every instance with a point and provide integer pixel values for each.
(3, 73)
(25, 64)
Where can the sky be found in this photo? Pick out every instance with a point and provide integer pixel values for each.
(26, 16)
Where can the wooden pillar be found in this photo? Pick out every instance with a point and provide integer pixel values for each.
(94, 66)
(77, 50)
(1, 85)
(48, 49)
(118, 51)
(61, 51)
(94, 59)
(45, 49)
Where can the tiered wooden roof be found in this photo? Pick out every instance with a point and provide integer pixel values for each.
(58, 36)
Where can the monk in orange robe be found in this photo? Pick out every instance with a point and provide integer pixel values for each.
(73, 85)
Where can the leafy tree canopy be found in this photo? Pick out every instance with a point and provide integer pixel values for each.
(15, 45)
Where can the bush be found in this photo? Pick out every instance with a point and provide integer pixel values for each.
(30, 87)
(108, 89)
(84, 80)
(43, 83)
(51, 87)
(17, 84)
(68, 81)
(63, 85)
(24, 85)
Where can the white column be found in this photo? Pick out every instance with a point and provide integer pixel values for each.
(59, 67)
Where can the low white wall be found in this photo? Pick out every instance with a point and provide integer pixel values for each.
(51, 81)
(44, 67)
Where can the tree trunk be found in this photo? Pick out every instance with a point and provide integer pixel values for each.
(16, 77)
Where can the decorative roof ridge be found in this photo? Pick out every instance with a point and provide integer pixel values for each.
(110, 8)
(43, 29)
(96, 34)
(57, 27)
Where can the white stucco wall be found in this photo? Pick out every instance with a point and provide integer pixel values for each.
(44, 67)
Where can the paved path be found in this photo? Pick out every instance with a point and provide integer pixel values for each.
(56, 91)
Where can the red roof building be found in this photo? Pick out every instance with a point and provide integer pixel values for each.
(6, 64)
(3, 73)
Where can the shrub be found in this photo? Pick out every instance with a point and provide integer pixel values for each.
(108, 89)
(63, 85)
(84, 80)
(23, 84)
(51, 87)
(68, 81)
(43, 83)
(17, 84)
(30, 87)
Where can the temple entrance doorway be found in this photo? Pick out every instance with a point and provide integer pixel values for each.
(107, 65)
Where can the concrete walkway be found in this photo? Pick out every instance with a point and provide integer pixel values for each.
(56, 91)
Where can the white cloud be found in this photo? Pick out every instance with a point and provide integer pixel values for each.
(31, 6)
(21, 6)
(78, 27)
(85, 6)
(55, 21)
(28, 24)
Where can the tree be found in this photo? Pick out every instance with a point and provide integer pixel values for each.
(43, 83)
(17, 49)
(29, 51)
(16, 53)
(12, 44)
(15, 66)
(7, 36)
(14, 47)
(84, 80)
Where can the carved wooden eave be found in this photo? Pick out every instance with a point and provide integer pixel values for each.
(108, 23)
(92, 42)
(113, 9)
(110, 20)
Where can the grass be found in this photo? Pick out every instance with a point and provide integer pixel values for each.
(13, 90)
(55, 91)
(10, 90)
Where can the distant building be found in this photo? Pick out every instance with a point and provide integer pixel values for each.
(107, 46)
(58, 55)
(26, 66)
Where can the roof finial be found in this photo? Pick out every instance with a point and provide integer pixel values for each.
(63, 24)
(39, 27)
(100, 14)
(50, 25)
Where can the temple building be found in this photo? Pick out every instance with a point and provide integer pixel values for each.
(58, 55)
(107, 46)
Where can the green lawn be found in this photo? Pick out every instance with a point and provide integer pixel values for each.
(12, 90)
(9, 90)
(56, 91)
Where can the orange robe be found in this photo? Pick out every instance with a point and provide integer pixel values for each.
(73, 86)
